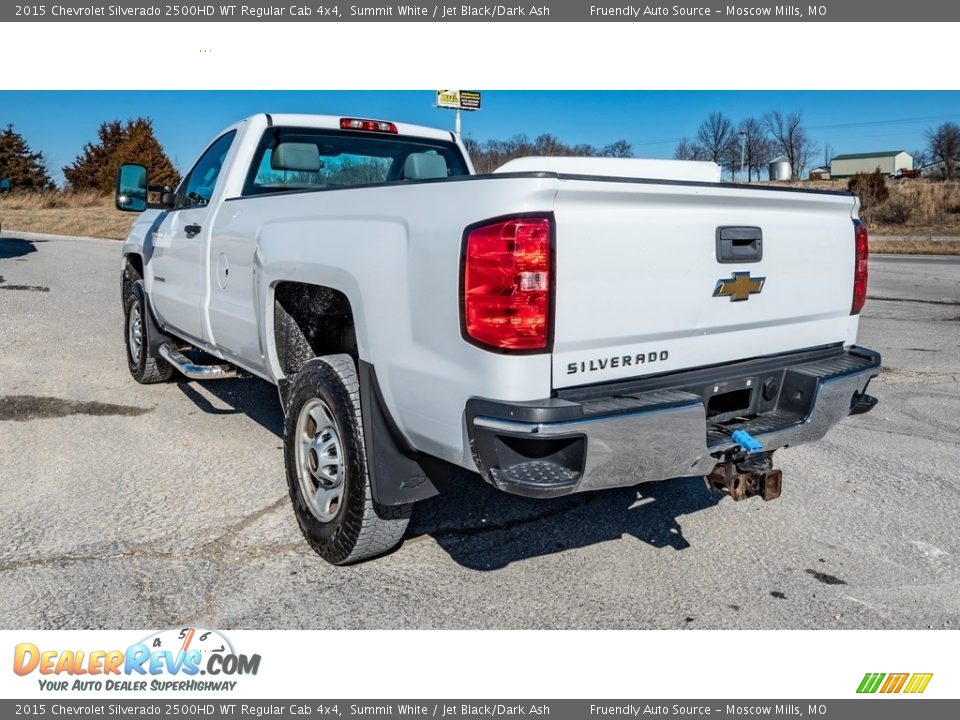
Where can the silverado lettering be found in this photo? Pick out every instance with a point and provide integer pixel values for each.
(616, 361)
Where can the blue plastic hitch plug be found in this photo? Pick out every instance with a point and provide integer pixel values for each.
(746, 441)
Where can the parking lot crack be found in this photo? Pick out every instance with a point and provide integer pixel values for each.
(67, 559)
(931, 301)
(220, 542)
(212, 549)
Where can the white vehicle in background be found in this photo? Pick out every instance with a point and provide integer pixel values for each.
(562, 325)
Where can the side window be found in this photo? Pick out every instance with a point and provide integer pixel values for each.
(198, 186)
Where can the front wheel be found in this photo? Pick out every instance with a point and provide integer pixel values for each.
(326, 466)
(145, 366)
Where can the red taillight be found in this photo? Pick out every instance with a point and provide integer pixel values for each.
(860, 267)
(506, 284)
(370, 125)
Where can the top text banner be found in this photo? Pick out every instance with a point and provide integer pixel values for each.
(858, 11)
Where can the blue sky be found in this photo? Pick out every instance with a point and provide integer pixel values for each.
(60, 122)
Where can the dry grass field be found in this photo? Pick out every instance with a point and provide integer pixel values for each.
(86, 214)
(915, 245)
(915, 208)
(911, 221)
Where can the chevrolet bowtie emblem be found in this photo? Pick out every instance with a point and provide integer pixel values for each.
(739, 287)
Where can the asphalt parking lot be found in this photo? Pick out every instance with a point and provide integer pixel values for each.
(153, 506)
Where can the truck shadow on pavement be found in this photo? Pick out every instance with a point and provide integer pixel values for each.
(255, 398)
(483, 528)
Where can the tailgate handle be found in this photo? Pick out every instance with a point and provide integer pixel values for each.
(739, 244)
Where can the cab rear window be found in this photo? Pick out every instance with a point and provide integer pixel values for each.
(290, 159)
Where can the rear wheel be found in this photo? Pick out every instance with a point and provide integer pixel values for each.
(326, 466)
(145, 366)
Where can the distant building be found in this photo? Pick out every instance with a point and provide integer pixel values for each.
(820, 173)
(890, 163)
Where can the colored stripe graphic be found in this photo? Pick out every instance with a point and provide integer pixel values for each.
(870, 682)
(918, 682)
(894, 682)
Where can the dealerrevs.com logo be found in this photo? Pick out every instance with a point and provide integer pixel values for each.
(913, 683)
(165, 660)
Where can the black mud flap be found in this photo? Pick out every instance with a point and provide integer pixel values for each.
(398, 473)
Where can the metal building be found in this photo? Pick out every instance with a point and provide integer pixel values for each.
(889, 162)
(780, 169)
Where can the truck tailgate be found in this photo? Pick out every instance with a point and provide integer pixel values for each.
(637, 275)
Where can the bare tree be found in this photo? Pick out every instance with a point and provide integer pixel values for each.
(756, 146)
(472, 145)
(490, 155)
(520, 145)
(827, 154)
(944, 145)
(731, 157)
(548, 145)
(618, 149)
(920, 158)
(496, 152)
(582, 150)
(715, 136)
(806, 152)
(686, 150)
(790, 138)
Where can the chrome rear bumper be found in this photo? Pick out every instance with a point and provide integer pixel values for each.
(628, 435)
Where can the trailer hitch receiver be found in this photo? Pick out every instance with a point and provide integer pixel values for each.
(746, 477)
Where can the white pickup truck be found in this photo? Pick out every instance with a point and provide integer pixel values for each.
(559, 326)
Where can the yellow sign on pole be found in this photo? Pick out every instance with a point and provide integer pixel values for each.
(458, 99)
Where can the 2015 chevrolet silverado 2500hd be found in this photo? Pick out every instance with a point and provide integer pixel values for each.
(561, 325)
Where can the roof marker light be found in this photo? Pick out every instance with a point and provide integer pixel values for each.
(368, 125)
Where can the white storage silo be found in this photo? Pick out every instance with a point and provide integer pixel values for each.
(780, 168)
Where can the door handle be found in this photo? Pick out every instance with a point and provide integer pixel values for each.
(192, 230)
(739, 244)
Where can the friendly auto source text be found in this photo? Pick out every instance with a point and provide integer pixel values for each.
(638, 11)
(728, 710)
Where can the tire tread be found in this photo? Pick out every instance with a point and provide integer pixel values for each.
(374, 529)
(153, 368)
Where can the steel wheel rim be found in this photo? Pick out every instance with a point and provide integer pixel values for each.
(320, 461)
(135, 333)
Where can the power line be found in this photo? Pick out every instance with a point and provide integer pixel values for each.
(867, 135)
(868, 123)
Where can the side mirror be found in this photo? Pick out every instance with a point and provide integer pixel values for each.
(131, 193)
